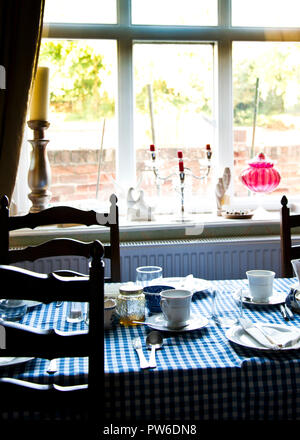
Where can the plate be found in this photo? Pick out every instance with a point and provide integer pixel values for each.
(158, 322)
(238, 216)
(199, 284)
(5, 361)
(276, 298)
(29, 303)
(32, 303)
(239, 336)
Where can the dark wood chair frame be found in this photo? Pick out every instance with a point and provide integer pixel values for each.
(26, 341)
(288, 251)
(60, 246)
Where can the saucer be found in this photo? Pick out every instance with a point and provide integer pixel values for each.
(158, 322)
(276, 298)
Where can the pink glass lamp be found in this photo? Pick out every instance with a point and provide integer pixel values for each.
(260, 176)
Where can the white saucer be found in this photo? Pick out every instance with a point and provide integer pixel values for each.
(5, 361)
(239, 336)
(158, 322)
(32, 303)
(276, 298)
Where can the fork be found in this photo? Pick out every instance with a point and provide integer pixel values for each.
(137, 343)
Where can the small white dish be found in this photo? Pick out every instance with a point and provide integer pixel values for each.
(239, 336)
(5, 361)
(275, 299)
(158, 322)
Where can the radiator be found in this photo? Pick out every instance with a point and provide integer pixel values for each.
(226, 258)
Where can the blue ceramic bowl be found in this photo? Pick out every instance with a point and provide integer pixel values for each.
(293, 300)
(152, 295)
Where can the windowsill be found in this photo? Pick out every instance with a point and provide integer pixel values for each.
(200, 226)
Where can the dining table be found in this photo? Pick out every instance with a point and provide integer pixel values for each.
(201, 373)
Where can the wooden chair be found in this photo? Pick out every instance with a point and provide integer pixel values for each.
(24, 341)
(288, 250)
(60, 247)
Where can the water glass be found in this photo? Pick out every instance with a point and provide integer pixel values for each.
(145, 275)
(225, 310)
(12, 310)
(74, 312)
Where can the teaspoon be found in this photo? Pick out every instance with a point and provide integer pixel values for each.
(155, 341)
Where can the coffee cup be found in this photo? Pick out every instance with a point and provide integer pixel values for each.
(176, 305)
(260, 284)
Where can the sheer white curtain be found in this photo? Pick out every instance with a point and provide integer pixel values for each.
(20, 204)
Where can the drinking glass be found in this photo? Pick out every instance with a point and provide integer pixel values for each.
(226, 311)
(145, 275)
(74, 312)
(12, 310)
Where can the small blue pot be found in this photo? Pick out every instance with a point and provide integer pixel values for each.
(293, 300)
(152, 295)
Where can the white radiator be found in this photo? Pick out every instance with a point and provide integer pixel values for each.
(226, 258)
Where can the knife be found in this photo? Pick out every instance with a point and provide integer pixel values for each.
(289, 312)
(283, 312)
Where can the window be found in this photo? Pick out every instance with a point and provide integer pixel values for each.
(266, 89)
(183, 76)
(83, 129)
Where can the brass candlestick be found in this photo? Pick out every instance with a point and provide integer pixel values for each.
(39, 175)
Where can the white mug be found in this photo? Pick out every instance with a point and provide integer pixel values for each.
(260, 284)
(176, 306)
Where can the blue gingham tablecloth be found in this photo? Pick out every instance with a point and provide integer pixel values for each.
(200, 375)
(70, 371)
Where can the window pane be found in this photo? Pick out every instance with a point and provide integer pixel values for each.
(275, 67)
(78, 11)
(83, 92)
(175, 12)
(177, 79)
(276, 13)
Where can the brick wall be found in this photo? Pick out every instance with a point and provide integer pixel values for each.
(74, 172)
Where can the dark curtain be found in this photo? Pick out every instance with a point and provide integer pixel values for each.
(20, 35)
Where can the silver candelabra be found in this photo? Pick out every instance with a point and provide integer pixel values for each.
(183, 172)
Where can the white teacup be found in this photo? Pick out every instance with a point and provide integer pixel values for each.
(176, 306)
(109, 310)
(260, 284)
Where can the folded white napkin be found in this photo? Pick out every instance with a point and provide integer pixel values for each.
(271, 337)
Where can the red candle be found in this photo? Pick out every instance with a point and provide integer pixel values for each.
(208, 147)
(181, 167)
(179, 155)
(152, 147)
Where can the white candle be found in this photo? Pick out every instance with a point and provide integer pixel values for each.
(40, 96)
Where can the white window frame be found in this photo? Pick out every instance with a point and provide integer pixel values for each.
(126, 34)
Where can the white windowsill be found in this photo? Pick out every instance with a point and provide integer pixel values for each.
(201, 226)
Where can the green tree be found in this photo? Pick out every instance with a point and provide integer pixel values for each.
(76, 79)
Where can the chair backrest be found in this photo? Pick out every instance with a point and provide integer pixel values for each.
(288, 250)
(25, 341)
(60, 215)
